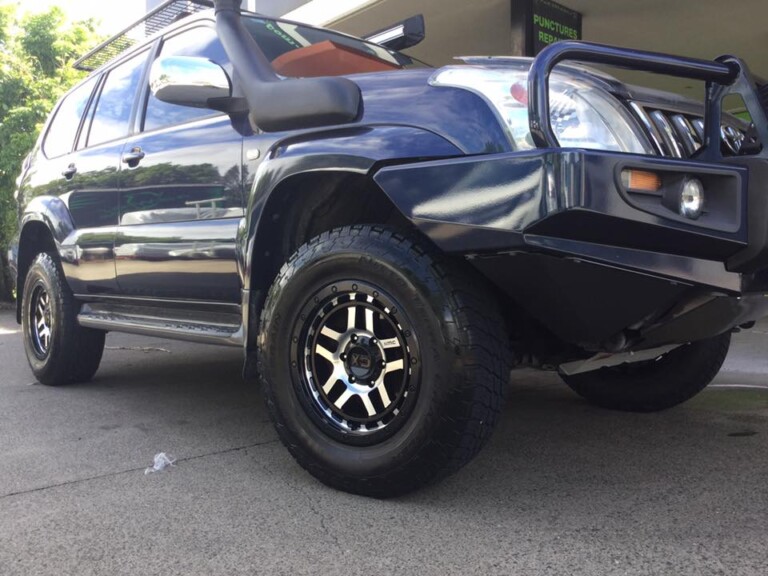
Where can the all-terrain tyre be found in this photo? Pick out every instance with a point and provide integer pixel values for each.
(383, 362)
(58, 349)
(655, 385)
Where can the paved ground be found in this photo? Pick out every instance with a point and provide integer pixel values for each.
(563, 488)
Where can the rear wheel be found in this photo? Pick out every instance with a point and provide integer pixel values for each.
(59, 350)
(383, 364)
(655, 385)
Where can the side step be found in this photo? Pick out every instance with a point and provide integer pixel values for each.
(223, 328)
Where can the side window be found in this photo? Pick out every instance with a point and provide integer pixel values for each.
(63, 129)
(112, 117)
(201, 42)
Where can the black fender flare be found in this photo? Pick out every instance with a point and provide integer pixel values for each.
(356, 150)
(51, 212)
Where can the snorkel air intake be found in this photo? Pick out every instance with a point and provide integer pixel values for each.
(276, 104)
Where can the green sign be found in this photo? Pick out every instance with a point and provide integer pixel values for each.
(542, 22)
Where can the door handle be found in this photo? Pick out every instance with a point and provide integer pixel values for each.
(70, 171)
(133, 157)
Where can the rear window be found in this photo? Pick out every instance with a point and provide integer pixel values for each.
(300, 51)
(63, 129)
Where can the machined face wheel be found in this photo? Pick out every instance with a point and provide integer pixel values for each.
(41, 321)
(382, 361)
(59, 351)
(356, 355)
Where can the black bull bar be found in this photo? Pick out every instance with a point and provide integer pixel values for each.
(724, 76)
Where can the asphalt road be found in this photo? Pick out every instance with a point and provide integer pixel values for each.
(562, 489)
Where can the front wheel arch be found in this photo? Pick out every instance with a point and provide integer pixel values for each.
(302, 207)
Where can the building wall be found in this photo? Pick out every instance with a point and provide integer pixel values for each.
(454, 28)
(248, 4)
(274, 7)
(700, 28)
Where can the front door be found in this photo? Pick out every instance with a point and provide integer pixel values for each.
(181, 194)
(181, 201)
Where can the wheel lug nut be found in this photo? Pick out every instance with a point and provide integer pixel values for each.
(352, 379)
(343, 356)
(354, 337)
(373, 340)
(372, 383)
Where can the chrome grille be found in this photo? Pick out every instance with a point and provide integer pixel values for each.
(690, 137)
(671, 137)
(679, 135)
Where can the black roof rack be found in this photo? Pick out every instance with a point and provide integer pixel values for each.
(155, 20)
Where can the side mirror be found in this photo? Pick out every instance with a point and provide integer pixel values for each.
(189, 81)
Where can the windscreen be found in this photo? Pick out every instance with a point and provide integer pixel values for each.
(301, 51)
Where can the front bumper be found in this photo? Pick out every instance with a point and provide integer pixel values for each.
(557, 231)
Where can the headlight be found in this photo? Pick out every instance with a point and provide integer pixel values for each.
(582, 115)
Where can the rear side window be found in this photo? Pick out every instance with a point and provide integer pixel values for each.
(112, 117)
(201, 42)
(63, 129)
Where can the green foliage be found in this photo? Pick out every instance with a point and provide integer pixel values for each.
(36, 55)
(6, 17)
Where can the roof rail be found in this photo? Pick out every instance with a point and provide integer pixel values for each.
(155, 20)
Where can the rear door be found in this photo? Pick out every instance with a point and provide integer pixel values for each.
(86, 178)
(181, 194)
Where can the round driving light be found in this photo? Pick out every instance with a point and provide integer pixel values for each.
(692, 199)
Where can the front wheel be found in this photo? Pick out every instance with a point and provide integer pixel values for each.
(383, 364)
(59, 350)
(655, 385)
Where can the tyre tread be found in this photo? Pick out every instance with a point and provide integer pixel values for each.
(676, 378)
(483, 345)
(80, 350)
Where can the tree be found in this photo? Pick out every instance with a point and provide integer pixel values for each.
(36, 55)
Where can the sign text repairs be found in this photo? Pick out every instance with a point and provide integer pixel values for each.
(544, 22)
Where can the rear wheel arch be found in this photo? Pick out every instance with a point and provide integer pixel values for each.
(35, 238)
(58, 349)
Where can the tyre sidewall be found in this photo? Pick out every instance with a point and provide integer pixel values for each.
(42, 273)
(438, 371)
(673, 379)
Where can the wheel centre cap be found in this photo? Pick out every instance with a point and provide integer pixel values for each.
(363, 360)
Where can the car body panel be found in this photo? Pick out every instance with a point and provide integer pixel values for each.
(349, 150)
(81, 212)
(180, 207)
(553, 228)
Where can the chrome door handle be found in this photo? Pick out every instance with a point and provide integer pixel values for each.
(133, 157)
(70, 171)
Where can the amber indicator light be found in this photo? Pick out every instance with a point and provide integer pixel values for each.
(641, 181)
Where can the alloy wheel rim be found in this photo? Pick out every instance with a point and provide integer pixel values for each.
(42, 321)
(357, 359)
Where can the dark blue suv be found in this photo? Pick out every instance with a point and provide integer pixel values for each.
(385, 241)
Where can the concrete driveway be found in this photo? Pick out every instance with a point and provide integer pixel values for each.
(562, 489)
